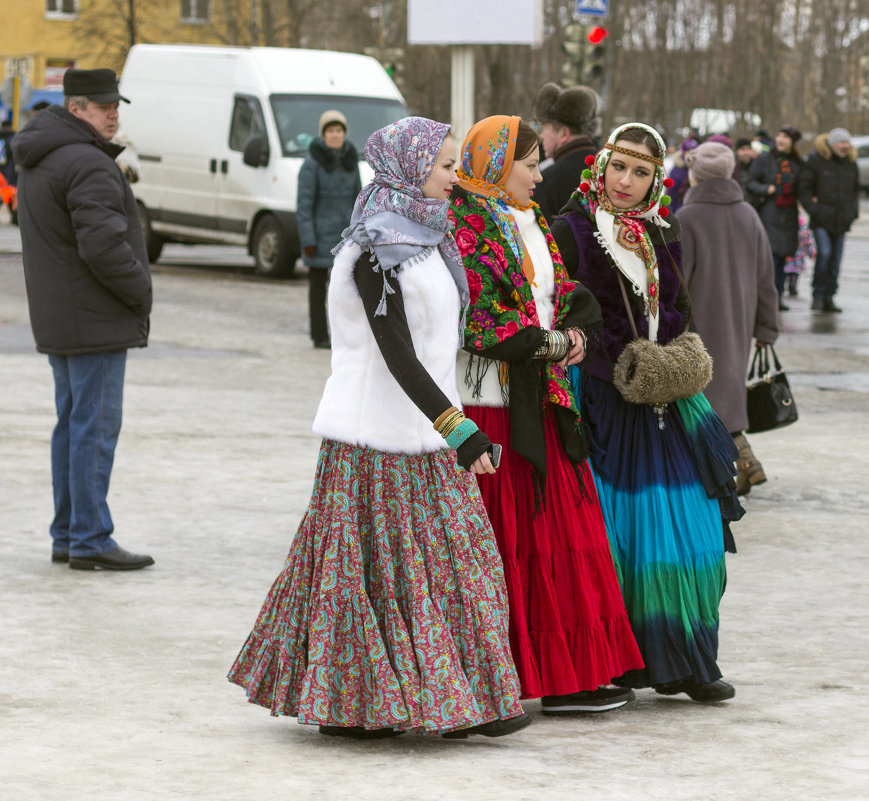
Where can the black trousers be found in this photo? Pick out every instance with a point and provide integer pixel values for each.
(318, 278)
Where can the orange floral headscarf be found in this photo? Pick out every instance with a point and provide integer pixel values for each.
(488, 153)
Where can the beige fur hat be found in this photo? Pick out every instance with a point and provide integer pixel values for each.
(577, 107)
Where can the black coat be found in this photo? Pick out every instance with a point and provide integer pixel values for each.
(561, 178)
(782, 223)
(829, 188)
(85, 264)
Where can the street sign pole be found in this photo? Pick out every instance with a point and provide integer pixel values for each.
(16, 104)
(462, 91)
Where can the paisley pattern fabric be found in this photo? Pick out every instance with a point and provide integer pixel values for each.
(391, 611)
(392, 218)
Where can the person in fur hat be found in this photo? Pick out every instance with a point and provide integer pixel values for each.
(571, 124)
(829, 189)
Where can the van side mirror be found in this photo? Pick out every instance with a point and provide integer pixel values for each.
(256, 151)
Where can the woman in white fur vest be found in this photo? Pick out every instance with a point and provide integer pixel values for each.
(391, 613)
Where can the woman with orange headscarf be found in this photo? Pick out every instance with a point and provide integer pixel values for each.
(569, 632)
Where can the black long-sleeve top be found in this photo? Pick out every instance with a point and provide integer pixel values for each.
(392, 334)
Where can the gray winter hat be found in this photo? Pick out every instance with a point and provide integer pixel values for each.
(838, 135)
(710, 160)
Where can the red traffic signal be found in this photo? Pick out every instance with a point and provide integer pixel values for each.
(597, 34)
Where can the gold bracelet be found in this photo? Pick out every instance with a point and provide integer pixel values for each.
(452, 423)
(442, 418)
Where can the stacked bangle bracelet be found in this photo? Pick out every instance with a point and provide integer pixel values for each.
(454, 427)
(555, 346)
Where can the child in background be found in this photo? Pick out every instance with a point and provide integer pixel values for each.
(796, 265)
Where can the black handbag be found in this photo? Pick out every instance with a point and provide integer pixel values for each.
(770, 401)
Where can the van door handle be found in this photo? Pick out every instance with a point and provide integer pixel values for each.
(212, 165)
(224, 166)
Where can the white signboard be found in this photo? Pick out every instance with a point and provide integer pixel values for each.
(460, 22)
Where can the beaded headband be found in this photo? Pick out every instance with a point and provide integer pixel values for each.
(627, 152)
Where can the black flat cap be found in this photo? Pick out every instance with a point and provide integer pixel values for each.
(100, 85)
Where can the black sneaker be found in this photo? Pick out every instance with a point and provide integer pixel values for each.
(712, 693)
(829, 306)
(603, 699)
(783, 306)
(495, 728)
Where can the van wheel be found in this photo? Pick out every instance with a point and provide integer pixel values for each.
(271, 250)
(153, 242)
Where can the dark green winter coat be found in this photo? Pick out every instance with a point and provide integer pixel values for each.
(328, 185)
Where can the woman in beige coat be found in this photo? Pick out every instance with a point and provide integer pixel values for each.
(727, 264)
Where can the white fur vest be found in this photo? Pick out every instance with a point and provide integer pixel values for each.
(362, 403)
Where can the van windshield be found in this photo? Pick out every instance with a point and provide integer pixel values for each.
(297, 117)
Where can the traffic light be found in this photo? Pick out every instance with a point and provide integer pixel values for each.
(595, 61)
(586, 55)
(574, 47)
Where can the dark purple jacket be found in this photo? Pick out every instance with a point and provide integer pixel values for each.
(587, 262)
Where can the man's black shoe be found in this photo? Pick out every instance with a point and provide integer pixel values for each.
(817, 304)
(783, 306)
(495, 728)
(829, 306)
(60, 556)
(119, 559)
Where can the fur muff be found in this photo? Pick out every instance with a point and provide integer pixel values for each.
(647, 372)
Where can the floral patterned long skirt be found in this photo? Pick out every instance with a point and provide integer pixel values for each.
(391, 611)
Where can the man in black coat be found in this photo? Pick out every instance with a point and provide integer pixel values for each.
(570, 120)
(829, 190)
(89, 294)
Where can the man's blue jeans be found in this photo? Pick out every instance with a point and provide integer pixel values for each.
(88, 394)
(825, 281)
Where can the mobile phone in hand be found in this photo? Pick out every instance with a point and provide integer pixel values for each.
(495, 455)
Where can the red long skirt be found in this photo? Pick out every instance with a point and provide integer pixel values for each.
(568, 627)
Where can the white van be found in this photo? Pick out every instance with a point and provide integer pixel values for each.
(221, 133)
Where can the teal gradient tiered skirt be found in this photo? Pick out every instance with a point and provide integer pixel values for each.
(668, 496)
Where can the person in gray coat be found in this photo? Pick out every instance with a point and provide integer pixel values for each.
(328, 185)
(727, 264)
(89, 293)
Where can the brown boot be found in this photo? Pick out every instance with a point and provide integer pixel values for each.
(749, 471)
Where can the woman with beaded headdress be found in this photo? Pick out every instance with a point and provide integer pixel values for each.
(569, 632)
(664, 472)
(391, 612)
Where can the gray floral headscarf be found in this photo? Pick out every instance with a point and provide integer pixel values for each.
(392, 218)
